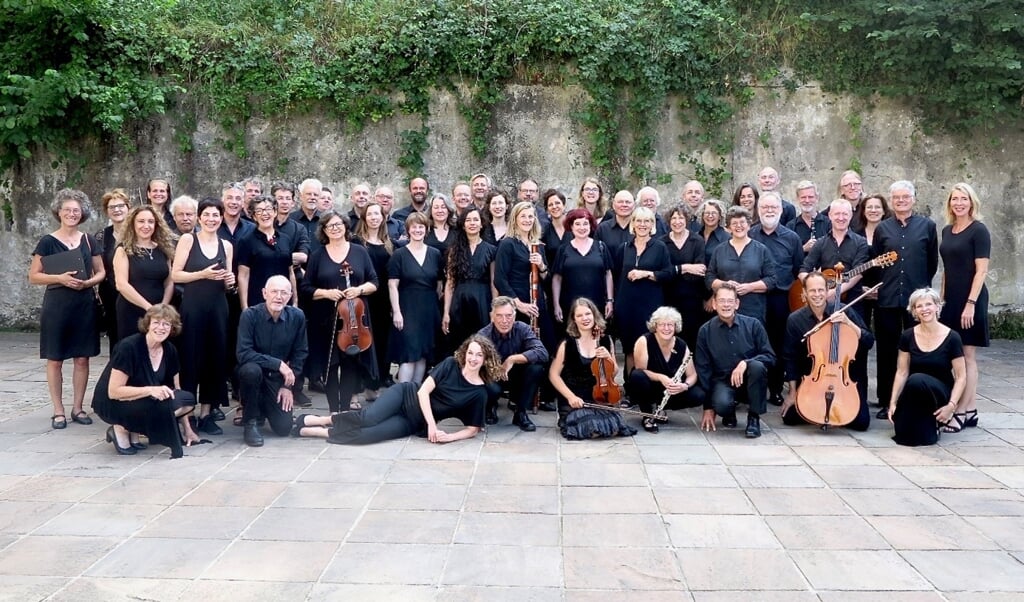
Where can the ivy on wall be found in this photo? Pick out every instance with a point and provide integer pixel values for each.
(93, 67)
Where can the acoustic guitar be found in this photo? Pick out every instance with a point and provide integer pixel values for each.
(796, 292)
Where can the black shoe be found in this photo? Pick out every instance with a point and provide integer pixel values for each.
(124, 451)
(729, 420)
(650, 425)
(138, 444)
(302, 401)
(252, 435)
(775, 399)
(81, 418)
(561, 422)
(882, 414)
(753, 426)
(317, 386)
(208, 425)
(388, 382)
(523, 421)
(217, 414)
(547, 406)
(491, 415)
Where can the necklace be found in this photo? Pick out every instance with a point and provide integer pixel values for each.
(149, 252)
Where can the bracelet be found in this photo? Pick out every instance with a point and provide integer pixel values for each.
(610, 300)
(971, 302)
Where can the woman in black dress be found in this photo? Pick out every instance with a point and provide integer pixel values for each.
(557, 231)
(116, 205)
(372, 233)
(67, 321)
(469, 287)
(965, 250)
(875, 208)
(496, 216)
(712, 215)
(338, 272)
(745, 262)
(646, 266)
(202, 266)
(442, 218)
(512, 268)
(266, 252)
(582, 268)
(142, 267)
(686, 290)
(456, 388)
(930, 374)
(414, 277)
(570, 372)
(138, 391)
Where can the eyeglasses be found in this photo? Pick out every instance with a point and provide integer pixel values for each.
(334, 226)
(591, 189)
(117, 207)
(263, 210)
(71, 211)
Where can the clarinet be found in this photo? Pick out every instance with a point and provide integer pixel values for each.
(677, 377)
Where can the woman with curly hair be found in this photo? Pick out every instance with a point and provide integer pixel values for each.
(469, 285)
(142, 267)
(455, 388)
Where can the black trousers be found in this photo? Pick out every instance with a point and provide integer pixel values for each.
(890, 322)
(258, 389)
(753, 391)
(647, 393)
(382, 420)
(776, 314)
(523, 382)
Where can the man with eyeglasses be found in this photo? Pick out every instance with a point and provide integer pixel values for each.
(915, 240)
(528, 190)
(385, 197)
(732, 359)
(271, 352)
(768, 180)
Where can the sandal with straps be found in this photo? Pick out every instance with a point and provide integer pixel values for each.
(955, 423)
(970, 418)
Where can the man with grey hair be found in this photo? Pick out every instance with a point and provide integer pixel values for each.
(768, 180)
(649, 197)
(308, 214)
(183, 210)
(915, 240)
(810, 225)
(253, 187)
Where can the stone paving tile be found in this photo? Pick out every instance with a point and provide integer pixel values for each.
(1002, 455)
(400, 564)
(201, 522)
(518, 451)
(679, 454)
(918, 456)
(614, 530)
(703, 531)
(608, 454)
(981, 502)
(8, 482)
(461, 593)
(602, 475)
(948, 477)
(763, 455)
(18, 588)
(23, 517)
(100, 520)
(233, 591)
(332, 592)
(627, 569)
(837, 456)
(858, 570)
(385, 450)
(798, 501)
(667, 475)
(863, 477)
(1011, 436)
(523, 566)
(727, 501)
(325, 495)
(53, 556)
(507, 529)
(29, 463)
(930, 533)
(263, 469)
(437, 472)
(418, 497)
(1008, 476)
(775, 476)
(975, 570)
(516, 473)
(909, 502)
(542, 499)
(311, 524)
(231, 493)
(55, 489)
(621, 500)
(143, 491)
(272, 561)
(437, 527)
(825, 533)
(96, 589)
(889, 596)
(730, 569)
(347, 471)
(1006, 531)
(421, 449)
(596, 595)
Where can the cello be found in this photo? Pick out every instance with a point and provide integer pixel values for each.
(353, 334)
(828, 396)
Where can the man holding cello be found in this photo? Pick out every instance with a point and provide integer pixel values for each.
(827, 384)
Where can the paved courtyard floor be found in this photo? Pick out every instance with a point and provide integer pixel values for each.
(682, 515)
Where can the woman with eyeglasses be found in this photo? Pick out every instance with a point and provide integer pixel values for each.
(67, 321)
(265, 252)
(591, 198)
(116, 205)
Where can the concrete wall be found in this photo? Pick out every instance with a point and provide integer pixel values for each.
(806, 134)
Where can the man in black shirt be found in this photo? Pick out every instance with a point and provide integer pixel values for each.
(524, 362)
(419, 190)
(839, 246)
(733, 356)
(272, 349)
(914, 239)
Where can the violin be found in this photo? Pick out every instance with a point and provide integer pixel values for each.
(605, 390)
(354, 334)
(828, 396)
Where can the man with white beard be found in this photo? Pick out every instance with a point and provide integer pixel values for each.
(786, 250)
(768, 181)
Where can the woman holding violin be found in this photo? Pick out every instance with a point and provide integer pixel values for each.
(659, 369)
(583, 369)
(808, 363)
(339, 278)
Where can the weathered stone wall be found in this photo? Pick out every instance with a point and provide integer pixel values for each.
(806, 134)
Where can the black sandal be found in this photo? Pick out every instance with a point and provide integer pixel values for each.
(955, 424)
(970, 418)
(650, 425)
(62, 423)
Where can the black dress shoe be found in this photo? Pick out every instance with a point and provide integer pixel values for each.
(208, 425)
(883, 414)
(729, 420)
(753, 426)
(252, 435)
(217, 414)
(522, 420)
(547, 406)
(302, 401)
(317, 386)
(491, 415)
(124, 451)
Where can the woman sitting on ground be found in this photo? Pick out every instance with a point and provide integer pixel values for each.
(138, 392)
(455, 388)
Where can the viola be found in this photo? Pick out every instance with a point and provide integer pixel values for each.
(605, 390)
(828, 396)
(354, 334)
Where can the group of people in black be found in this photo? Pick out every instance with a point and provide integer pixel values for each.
(484, 295)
